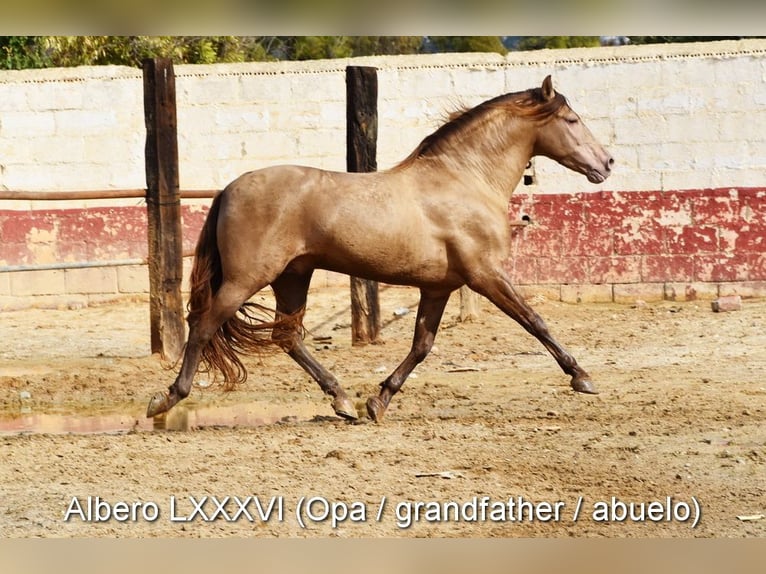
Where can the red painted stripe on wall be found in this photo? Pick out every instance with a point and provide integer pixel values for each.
(705, 235)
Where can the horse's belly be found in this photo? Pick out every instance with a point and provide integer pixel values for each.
(391, 263)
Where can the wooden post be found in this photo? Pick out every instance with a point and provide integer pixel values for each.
(163, 203)
(361, 151)
(470, 305)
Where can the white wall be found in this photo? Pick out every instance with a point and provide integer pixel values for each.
(683, 116)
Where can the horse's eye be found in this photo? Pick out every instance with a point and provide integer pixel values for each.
(572, 120)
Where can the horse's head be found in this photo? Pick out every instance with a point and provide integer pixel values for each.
(564, 138)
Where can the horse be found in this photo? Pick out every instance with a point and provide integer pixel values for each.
(438, 220)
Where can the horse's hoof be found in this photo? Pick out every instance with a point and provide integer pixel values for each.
(157, 405)
(376, 409)
(344, 407)
(584, 386)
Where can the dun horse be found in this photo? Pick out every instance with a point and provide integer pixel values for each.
(437, 221)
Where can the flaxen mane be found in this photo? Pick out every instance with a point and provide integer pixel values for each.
(529, 104)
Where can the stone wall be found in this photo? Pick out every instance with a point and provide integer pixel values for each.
(682, 216)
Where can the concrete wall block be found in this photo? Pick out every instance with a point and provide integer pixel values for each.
(227, 147)
(617, 269)
(333, 113)
(57, 149)
(43, 302)
(745, 289)
(673, 179)
(262, 89)
(331, 141)
(478, 82)
(194, 121)
(690, 291)
(124, 95)
(535, 291)
(33, 283)
(636, 130)
(13, 98)
(274, 147)
(24, 124)
(687, 128)
(209, 89)
(424, 83)
(125, 152)
(77, 122)
(624, 179)
(91, 280)
(738, 126)
(587, 293)
(661, 100)
(241, 118)
(631, 293)
(133, 279)
(47, 97)
(752, 177)
(318, 87)
(302, 116)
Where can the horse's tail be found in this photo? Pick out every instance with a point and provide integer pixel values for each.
(244, 331)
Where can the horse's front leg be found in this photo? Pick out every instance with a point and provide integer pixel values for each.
(498, 289)
(430, 310)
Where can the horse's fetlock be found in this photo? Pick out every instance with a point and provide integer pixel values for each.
(179, 391)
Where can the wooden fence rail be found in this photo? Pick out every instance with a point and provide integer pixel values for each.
(95, 195)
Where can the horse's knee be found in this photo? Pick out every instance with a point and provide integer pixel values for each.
(421, 349)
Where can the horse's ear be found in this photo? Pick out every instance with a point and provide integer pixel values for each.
(548, 91)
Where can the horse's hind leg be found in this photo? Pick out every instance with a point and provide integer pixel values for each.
(225, 304)
(430, 311)
(497, 288)
(290, 290)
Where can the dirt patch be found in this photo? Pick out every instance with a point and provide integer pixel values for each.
(486, 440)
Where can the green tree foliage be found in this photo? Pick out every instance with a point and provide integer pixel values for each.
(63, 51)
(678, 39)
(132, 50)
(385, 45)
(558, 42)
(316, 47)
(19, 52)
(468, 44)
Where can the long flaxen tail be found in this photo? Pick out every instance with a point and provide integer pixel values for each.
(248, 330)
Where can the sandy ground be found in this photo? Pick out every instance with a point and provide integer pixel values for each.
(486, 440)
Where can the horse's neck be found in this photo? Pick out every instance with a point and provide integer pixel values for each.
(494, 160)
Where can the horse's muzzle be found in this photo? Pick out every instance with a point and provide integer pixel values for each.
(600, 175)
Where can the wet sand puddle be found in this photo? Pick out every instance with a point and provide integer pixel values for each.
(180, 418)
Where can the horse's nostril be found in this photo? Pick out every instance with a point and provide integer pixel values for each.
(610, 162)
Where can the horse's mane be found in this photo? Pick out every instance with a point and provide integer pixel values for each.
(528, 104)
